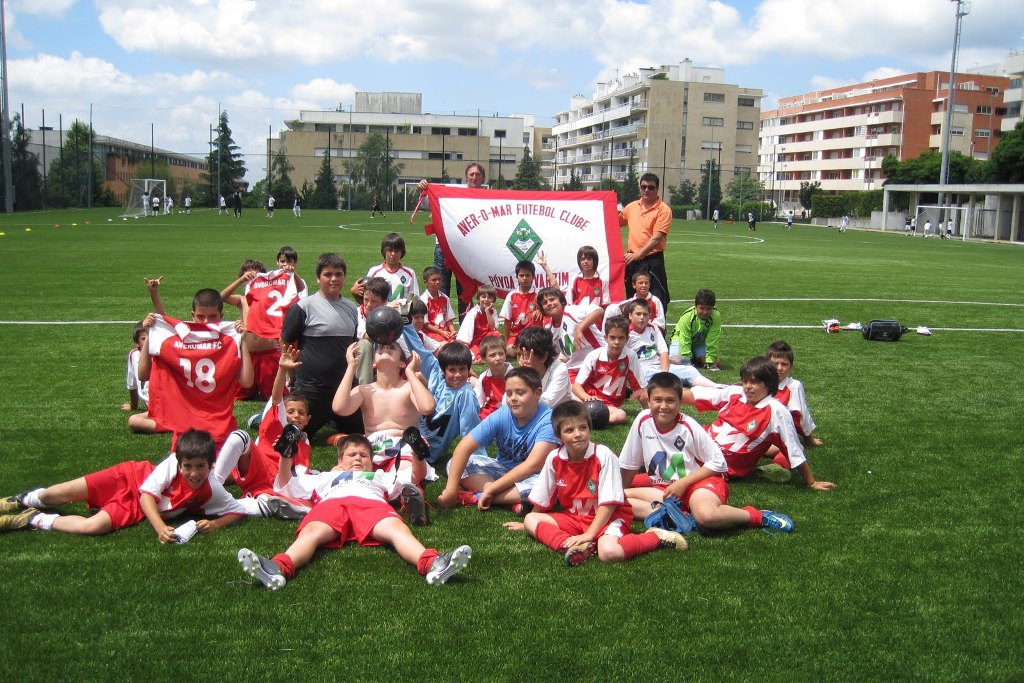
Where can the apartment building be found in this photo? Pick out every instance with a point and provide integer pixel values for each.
(429, 145)
(840, 136)
(671, 120)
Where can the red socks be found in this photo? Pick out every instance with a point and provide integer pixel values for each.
(285, 563)
(638, 544)
(426, 561)
(756, 518)
(551, 536)
(782, 461)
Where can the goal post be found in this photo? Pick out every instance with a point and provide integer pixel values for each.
(947, 221)
(143, 187)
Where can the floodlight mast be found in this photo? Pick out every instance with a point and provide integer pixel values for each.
(5, 119)
(963, 8)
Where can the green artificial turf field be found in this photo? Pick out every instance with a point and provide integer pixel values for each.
(909, 569)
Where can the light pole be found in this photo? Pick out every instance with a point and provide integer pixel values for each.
(962, 8)
(775, 156)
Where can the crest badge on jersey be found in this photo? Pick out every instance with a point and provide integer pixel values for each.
(679, 442)
(592, 486)
(751, 425)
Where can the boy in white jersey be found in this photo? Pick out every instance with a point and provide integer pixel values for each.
(642, 286)
(584, 480)
(350, 505)
(608, 374)
(668, 454)
(648, 343)
(401, 278)
(790, 394)
(750, 421)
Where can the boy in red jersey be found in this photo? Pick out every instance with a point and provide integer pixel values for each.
(253, 467)
(750, 421)
(129, 492)
(351, 505)
(438, 323)
(608, 373)
(642, 285)
(194, 369)
(792, 395)
(519, 310)
(480, 321)
(490, 386)
(588, 287)
(584, 479)
(668, 454)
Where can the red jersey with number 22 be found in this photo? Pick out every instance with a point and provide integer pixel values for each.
(194, 377)
(269, 296)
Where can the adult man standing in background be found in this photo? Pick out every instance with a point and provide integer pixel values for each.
(648, 220)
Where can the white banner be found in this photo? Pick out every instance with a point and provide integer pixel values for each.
(484, 233)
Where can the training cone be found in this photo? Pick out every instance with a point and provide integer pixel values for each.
(30, 229)
(74, 225)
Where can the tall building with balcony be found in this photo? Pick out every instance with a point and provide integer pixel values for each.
(671, 120)
(840, 136)
(432, 146)
(1013, 68)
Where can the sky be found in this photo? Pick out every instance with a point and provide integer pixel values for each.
(173, 65)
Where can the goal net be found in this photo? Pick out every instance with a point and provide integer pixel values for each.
(140, 198)
(946, 221)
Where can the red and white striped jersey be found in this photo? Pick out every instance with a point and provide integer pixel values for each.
(490, 391)
(588, 290)
(269, 296)
(745, 432)
(439, 309)
(581, 487)
(609, 379)
(791, 394)
(173, 493)
(518, 311)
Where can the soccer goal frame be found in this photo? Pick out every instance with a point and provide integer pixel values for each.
(940, 216)
(143, 187)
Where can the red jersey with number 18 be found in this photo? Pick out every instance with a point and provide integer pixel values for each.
(194, 378)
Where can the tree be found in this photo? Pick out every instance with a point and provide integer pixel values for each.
(325, 192)
(575, 183)
(281, 183)
(374, 165)
(683, 194)
(711, 173)
(225, 162)
(927, 169)
(631, 185)
(1007, 164)
(28, 183)
(807, 192)
(68, 178)
(528, 175)
(745, 187)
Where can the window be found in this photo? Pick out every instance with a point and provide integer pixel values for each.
(982, 133)
(745, 102)
(984, 109)
(711, 144)
(744, 125)
(499, 134)
(417, 130)
(746, 149)
(714, 97)
(956, 130)
(740, 170)
(713, 121)
(441, 131)
(326, 127)
(467, 131)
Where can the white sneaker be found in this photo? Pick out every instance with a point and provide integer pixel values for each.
(448, 565)
(261, 568)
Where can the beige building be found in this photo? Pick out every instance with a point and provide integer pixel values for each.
(429, 145)
(672, 120)
(840, 136)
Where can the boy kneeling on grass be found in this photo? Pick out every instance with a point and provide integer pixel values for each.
(352, 505)
(585, 481)
(130, 491)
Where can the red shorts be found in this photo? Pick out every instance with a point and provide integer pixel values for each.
(352, 517)
(716, 484)
(259, 478)
(618, 525)
(436, 336)
(264, 365)
(115, 490)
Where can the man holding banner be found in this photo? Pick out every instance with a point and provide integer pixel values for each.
(649, 220)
